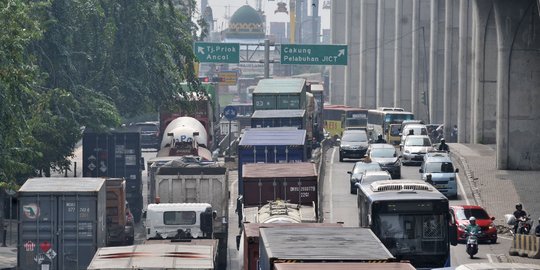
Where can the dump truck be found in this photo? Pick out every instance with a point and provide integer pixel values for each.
(190, 180)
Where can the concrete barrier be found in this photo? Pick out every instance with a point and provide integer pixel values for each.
(525, 246)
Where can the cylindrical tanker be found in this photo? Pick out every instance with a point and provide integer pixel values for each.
(182, 129)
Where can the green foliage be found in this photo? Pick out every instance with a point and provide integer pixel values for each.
(65, 64)
(18, 78)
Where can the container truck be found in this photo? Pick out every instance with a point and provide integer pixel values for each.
(276, 94)
(344, 266)
(248, 243)
(61, 222)
(179, 221)
(315, 245)
(188, 180)
(116, 154)
(279, 118)
(120, 228)
(280, 212)
(160, 255)
(270, 145)
(295, 183)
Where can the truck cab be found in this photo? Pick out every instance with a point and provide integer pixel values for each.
(179, 221)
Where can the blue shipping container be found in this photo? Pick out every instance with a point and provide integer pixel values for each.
(279, 118)
(270, 145)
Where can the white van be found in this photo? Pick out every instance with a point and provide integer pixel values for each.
(178, 220)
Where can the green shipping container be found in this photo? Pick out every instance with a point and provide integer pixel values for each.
(272, 94)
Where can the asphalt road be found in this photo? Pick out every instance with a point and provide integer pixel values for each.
(340, 206)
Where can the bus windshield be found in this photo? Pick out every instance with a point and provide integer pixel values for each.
(397, 118)
(405, 233)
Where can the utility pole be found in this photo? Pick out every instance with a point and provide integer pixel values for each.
(266, 58)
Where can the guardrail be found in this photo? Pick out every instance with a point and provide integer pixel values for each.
(525, 246)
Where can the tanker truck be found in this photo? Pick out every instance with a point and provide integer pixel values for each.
(185, 136)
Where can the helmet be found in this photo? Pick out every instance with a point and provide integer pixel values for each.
(472, 219)
(518, 205)
(442, 140)
(380, 135)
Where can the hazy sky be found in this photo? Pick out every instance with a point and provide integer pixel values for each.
(223, 8)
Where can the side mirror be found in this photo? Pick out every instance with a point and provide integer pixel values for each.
(421, 171)
(142, 164)
(492, 218)
(338, 140)
(457, 170)
(349, 172)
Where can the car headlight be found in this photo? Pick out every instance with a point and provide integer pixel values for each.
(492, 225)
(462, 226)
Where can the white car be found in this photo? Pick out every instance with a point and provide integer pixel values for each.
(414, 148)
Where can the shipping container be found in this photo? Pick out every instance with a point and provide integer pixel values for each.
(343, 266)
(293, 182)
(116, 154)
(270, 145)
(120, 229)
(61, 222)
(313, 245)
(279, 118)
(249, 240)
(277, 94)
(155, 256)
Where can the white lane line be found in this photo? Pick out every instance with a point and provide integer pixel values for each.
(462, 189)
(490, 259)
(330, 186)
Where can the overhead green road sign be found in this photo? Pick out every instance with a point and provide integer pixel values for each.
(217, 52)
(298, 54)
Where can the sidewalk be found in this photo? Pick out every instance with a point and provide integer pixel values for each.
(498, 190)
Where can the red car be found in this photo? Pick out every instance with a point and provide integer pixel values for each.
(462, 213)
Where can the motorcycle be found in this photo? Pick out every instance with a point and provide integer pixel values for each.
(524, 225)
(472, 243)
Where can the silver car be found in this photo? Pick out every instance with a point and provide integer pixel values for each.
(414, 148)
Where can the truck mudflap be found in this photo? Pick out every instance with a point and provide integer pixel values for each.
(222, 237)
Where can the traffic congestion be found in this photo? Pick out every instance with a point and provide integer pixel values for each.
(156, 135)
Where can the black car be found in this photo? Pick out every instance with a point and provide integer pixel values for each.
(353, 144)
(358, 171)
(149, 134)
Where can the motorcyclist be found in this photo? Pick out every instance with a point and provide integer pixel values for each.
(518, 214)
(443, 146)
(380, 139)
(472, 228)
(537, 229)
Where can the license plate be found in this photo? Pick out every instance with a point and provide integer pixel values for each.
(440, 186)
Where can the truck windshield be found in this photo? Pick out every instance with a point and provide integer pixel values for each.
(179, 218)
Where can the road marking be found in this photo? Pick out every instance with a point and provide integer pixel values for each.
(505, 238)
(490, 259)
(330, 182)
(462, 189)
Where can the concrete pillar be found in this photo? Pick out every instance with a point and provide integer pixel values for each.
(362, 98)
(447, 91)
(379, 63)
(369, 54)
(416, 31)
(352, 86)
(462, 71)
(398, 89)
(337, 73)
(433, 61)
(518, 133)
(483, 10)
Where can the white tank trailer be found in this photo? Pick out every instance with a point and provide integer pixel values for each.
(185, 136)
